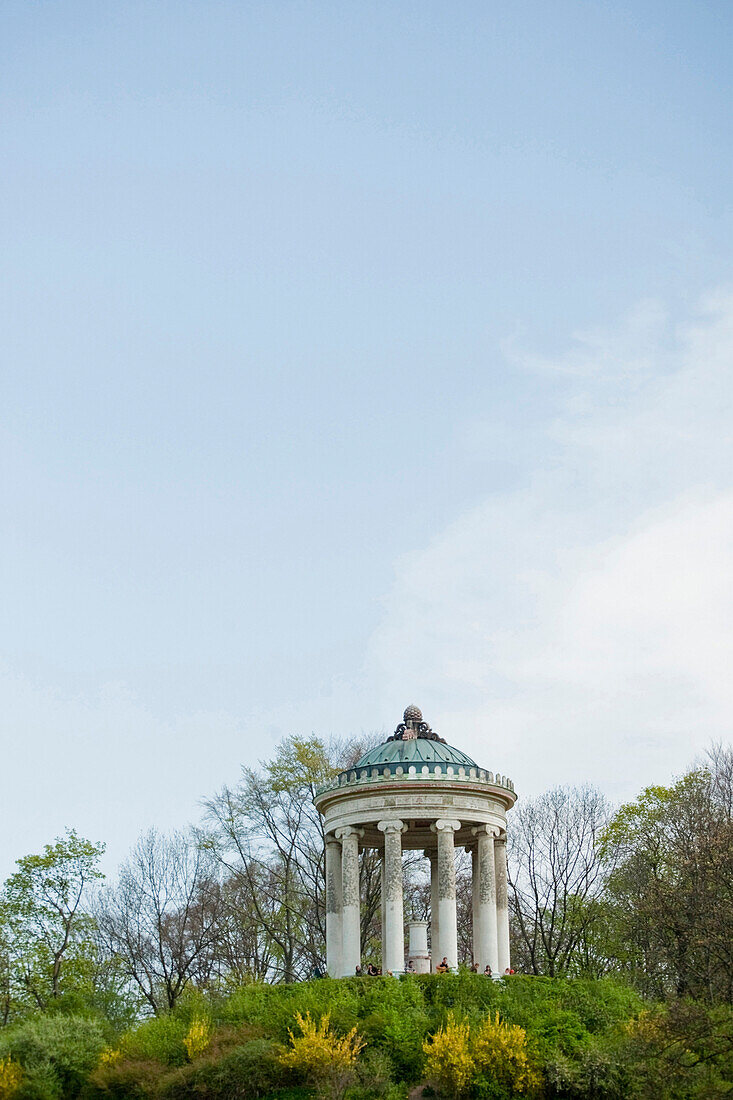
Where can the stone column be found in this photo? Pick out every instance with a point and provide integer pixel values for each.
(334, 934)
(502, 904)
(435, 955)
(475, 913)
(393, 927)
(351, 908)
(383, 901)
(484, 900)
(447, 890)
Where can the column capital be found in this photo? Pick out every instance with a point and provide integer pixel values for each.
(332, 840)
(486, 830)
(348, 830)
(394, 825)
(445, 825)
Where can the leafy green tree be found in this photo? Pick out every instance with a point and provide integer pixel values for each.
(672, 889)
(47, 949)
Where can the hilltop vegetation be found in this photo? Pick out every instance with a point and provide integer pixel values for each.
(375, 1039)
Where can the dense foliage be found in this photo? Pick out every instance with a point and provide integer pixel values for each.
(376, 1038)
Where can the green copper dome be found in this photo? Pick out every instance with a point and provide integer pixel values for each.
(419, 750)
(413, 754)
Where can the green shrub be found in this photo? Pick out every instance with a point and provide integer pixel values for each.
(245, 1073)
(273, 1007)
(399, 1036)
(56, 1053)
(124, 1080)
(374, 1076)
(160, 1039)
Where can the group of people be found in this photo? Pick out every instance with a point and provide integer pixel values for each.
(488, 972)
(373, 971)
(443, 967)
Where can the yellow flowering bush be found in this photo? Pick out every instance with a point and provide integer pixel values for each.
(450, 1065)
(321, 1057)
(10, 1077)
(648, 1026)
(198, 1038)
(108, 1057)
(492, 1060)
(500, 1054)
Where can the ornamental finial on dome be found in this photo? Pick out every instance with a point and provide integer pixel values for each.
(413, 727)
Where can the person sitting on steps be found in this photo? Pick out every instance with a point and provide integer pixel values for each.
(442, 967)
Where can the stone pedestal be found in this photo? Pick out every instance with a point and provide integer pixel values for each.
(417, 950)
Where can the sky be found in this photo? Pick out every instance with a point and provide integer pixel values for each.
(351, 356)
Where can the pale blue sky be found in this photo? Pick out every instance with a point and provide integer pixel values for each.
(356, 355)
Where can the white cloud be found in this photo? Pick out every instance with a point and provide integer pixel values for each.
(576, 629)
(582, 628)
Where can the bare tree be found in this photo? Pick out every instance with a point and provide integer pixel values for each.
(162, 920)
(268, 837)
(556, 875)
(244, 952)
